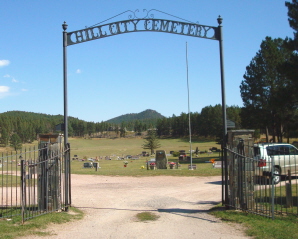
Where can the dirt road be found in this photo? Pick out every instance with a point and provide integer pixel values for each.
(111, 204)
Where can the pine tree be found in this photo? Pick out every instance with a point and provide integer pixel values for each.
(151, 141)
(265, 92)
(15, 142)
(4, 137)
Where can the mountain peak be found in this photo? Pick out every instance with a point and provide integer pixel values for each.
(144, 115)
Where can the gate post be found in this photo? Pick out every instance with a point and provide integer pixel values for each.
(224, 112)
(241, 169)
(66, 155)
(64, 25)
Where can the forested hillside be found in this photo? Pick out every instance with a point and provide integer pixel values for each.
(147, 116)
(23, 127)
(17, 127)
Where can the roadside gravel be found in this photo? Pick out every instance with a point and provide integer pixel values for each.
(110, 205)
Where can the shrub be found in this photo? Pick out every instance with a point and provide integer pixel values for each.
(176, 154)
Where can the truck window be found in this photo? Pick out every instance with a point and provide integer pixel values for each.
(293, 151)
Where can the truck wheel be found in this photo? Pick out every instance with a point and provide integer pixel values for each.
(277, 177)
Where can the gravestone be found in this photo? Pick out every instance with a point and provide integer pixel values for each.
(161, 159)
(88, 165)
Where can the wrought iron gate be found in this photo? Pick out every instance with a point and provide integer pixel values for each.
(249, 188)
(34, 182)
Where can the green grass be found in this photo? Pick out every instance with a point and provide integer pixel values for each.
(129, 146)
(12, 228)
(146, 216)
(99, 148)
(138, 168)
(261, 227)
(263, 197)
(9, 180)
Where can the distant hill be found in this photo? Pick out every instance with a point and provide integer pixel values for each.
(27, 125)
(146, 115)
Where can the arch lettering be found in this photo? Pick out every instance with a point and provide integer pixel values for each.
(142, 25)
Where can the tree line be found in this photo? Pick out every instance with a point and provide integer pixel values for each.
(207, 123)
(269, 89)
(18, 127)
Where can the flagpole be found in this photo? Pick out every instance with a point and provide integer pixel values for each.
(189, 121)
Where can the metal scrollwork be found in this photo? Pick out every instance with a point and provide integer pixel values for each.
(149, 15)
(135, 13)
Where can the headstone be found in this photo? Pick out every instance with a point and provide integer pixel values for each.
(161, 159)
(88, 165)
(194, 166)
(95, 165)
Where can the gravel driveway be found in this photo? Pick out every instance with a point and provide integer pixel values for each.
(111, 204)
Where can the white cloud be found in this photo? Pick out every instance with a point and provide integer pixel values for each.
(78, 71)
(12, 80)
(4, 91)
(4, 63)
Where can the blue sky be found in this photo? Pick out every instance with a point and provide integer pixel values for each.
(128, 73)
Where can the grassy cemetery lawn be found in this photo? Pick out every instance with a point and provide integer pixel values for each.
(110, 154)
(137, 167)
(99, 149)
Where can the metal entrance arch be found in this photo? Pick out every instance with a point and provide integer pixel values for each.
(144, 24)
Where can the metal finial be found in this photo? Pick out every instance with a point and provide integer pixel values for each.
(219, 20)
(64, 26)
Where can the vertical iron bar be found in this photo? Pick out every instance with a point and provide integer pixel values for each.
(2, 183)
(6, 182)
(272, 187)
(224, 117)
(69, 185)
(45, 178)
(35, 179)
(222, 177)
(16, 181)
(23, 175)
(11, 191)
